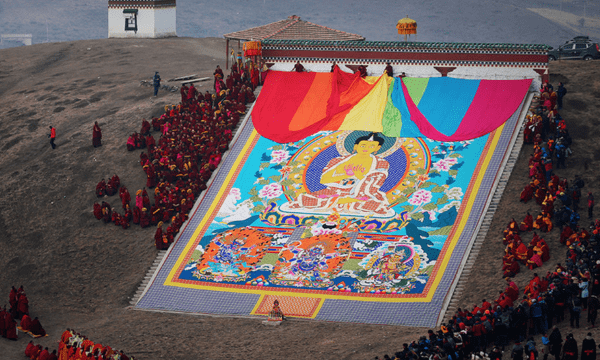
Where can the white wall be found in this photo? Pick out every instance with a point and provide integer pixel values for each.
(165, 22)
(151, 23)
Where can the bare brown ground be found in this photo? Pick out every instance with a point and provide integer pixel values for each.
(80, 273)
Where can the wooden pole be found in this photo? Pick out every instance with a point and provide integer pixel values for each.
(227, 54)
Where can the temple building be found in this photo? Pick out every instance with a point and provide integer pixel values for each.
(142, 18)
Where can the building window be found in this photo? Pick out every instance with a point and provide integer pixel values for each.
(130, 19)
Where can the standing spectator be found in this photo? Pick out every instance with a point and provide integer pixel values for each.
(590, 205)
(575, 311)
(156, 83)
(97, 135)
(517, 351)
(588, 348)
(555, 342)
(593, 305)
(546, 343)
(585, 292)
(52, 137)
(570, 351)
(560, 93)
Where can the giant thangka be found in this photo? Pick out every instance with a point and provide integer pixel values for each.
(346, 199)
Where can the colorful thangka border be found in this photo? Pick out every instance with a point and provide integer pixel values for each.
(266, 231)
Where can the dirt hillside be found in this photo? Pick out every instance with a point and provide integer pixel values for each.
(80, 273)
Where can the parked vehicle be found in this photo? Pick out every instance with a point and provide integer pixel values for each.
(578, 48)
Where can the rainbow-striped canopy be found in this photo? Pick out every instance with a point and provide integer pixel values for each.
(293, 106)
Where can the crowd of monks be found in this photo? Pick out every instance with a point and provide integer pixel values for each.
(19, 310)
(192, 137)
(74, 346)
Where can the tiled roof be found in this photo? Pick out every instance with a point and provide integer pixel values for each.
(293, 28)
(404, 45)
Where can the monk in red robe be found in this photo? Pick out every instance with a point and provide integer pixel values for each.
(298, 67)
(144, 218)
(527, 193)
(565, 234)
(12, 297)
(97, 211)
(29, 349)
(35, 352)
(145, 130)
(101, 188)
(3, 313)
(22, 306)
(527, 224)
(521, 253)
(96, 135)
(510, 267)
(11, 327)
(44, 355)
(36, 328)
(512, 290)
(158, 237)
(25, 323)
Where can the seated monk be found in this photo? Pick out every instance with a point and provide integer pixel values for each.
(512, 227)
(521, 253)
(115, 181)
(510, 266)
(110, 190)
(540, 195)
(36, 328)
(101, 188)
(25, 323)
(527, 193)
(539, 223)
(106, 212)
(145, 131)
(527, 224)
(98, 211)
(35, 352)
(29, 348)
(45, 355)
(534, 261)
(130, 143)
(565, 234)
(547, 222)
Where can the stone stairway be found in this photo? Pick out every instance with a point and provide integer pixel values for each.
(149, 276)
(467, 266)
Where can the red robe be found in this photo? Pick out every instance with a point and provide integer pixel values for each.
(29, 349)
(527, 224)
(11, 327)
(37, 329)
(26, 323)
(96, 136)
(23, 305)
(44, 355)
(98, 211)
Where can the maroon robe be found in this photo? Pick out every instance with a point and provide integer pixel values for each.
(11, 327)
(36, 328)
(96, 136)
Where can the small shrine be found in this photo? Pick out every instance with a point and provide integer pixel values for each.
(142, 19)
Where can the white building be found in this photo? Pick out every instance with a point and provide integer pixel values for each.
(142, 18)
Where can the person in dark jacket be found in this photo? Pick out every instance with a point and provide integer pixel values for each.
(570, 351)
(555, 342)
(156, 83)
(588, 348)
(560, 93)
